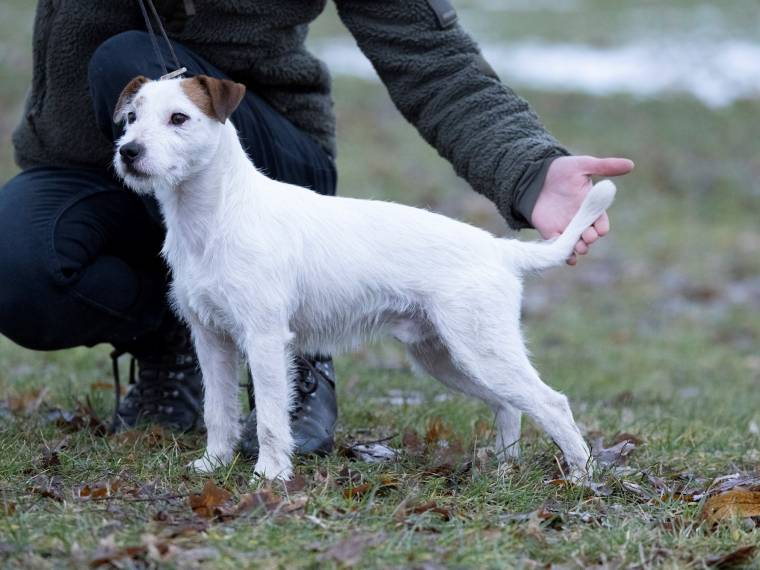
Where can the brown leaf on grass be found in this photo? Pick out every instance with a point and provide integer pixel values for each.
(357, 491)
(84, 417)
(412, 442)
(739, 558)
(422, 508)
(28, 403)
(614, 455)
(151, 549)
(537, 521)
(7, 508)
(386, 483)
(296, 484)
(625, 436)
(211, 497)
(264, 499)
(48, 487)
(438, 432)
(349, 552)
(98, 490)
(106, 386)
(154, 436)
(737, 503)
(49, 459)
(183, 528)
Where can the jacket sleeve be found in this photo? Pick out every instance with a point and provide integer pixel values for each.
(438, 79)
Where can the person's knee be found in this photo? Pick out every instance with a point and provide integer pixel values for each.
(119, 59)
(25, 283)
(22, 308)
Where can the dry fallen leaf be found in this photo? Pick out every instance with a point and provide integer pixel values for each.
(264, 499)
(28, 403)
(386, 482)
(107, 386)
(84, 417)
(373, 452)
(422, 508)
(210, 498)
(438, 433)
(412, 442)
(151, 549)
(48, 487)
(154, 436)
(750, 482)
(98, 490)
(614, 455)
(8, 508)
(736, 503)
(357, 491)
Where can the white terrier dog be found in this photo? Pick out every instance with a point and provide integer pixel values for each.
(267, 269)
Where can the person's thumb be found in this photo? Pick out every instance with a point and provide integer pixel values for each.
(606, 166)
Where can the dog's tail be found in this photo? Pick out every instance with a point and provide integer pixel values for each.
(536, 255)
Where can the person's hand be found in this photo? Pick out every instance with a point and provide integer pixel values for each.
(567, 183)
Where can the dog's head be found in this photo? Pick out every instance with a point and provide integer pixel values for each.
(172, 128)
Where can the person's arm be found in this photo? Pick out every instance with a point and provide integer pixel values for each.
(440, 82)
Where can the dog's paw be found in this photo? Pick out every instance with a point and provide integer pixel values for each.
(205, 465)
(509, 454)
(272, 469)
(580, 475)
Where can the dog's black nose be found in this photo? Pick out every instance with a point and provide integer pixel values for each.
(130, 151)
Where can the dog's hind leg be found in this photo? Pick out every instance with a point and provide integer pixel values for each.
(519, 384)
(493, 365)
(434, 358)
(219, 360)
(508, 429)
(270, 362)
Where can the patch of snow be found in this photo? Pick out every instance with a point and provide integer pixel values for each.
(716, 73)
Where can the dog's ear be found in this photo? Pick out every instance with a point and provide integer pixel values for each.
(127, 95)
(218, 98)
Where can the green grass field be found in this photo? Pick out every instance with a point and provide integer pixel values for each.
(654, 336)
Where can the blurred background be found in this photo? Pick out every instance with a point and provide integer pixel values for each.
(654, 336)
(665, 310)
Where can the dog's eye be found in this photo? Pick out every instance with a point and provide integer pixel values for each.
(179, 118)
(131, 117)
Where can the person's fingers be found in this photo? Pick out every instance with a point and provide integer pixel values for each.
(572, 260)
(605, 166)
(590, 236)
(602, 225)
(581, 248)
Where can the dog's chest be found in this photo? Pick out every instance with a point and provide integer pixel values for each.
(200, 295)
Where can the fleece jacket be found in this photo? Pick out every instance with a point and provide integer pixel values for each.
(433, 70)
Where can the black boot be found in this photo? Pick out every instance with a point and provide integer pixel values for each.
(168, 389)
(314, 414)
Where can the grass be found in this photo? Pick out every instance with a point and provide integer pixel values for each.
(654, 335)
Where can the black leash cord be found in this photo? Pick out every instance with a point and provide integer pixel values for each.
(152, 34)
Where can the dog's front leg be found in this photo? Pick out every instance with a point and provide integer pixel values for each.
(269, 359)
(219, 358)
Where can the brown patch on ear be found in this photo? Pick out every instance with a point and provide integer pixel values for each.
(127, 94)
(217, 98)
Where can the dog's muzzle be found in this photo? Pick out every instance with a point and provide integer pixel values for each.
(130, 152)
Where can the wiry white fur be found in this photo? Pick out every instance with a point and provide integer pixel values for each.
(267, 269)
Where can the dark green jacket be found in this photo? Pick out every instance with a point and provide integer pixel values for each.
(433, 71)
